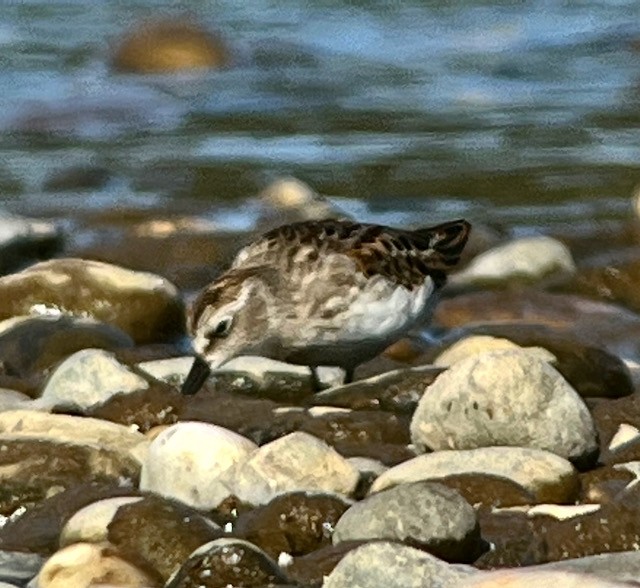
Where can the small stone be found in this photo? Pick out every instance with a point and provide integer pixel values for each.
(187, 460)
(625, 435)
(423, 514)
(228, 562)
(505, 398)
(297, 461)
(173, 370)
(544, 475)
(169, 45)
(85, 564)
(394, 565)
(88, 378)
(529, 258)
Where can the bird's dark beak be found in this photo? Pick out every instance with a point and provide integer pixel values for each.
(197, 376)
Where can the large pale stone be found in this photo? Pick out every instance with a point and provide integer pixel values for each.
(423, 514)
(88, 378)
(394, 565)
(186, 461)
(297, 461)
(546, 476)
(504, 398)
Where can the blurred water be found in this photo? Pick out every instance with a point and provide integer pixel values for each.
(524, 112)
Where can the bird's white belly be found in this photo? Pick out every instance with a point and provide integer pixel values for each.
(381, 311)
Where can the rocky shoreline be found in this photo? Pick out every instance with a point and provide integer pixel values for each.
(507, 453)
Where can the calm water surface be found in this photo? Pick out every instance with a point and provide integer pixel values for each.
(524, 112)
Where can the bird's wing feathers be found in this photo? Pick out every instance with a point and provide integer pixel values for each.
(403, 257)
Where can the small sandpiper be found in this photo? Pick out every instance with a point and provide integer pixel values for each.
(322, 293)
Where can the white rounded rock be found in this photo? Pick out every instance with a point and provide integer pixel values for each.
(544, 475)
(89, 524)
(86, 564)
(87, 379)
(393, 565)
(187, 460)
(504, 398)
(297, 461)
(476, 344)
(528, 257)
(527, 578)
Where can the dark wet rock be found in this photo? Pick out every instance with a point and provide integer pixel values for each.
(389, 454)
(393, 565)
(488, 491)
(297, 523)
(608, 416)
(615, 282)
(188, 256)
(398, 391)
(298, 461)
(145, 306)
(228, 562)
(87, 379)
(38, 529)
(159, 404)
(361, 427)
(557, 315)
(261, 377)
(186, 461)
(32, 469)
(512, 539)
(426, 515)
(591, 370)
(257, 419)
(310, 570)
(614, 527)
(604, 484)
(507, 398)
(31, 345)
(169, 45)
(159, 535)
(545, 476)
(24, 240)
(79, 177)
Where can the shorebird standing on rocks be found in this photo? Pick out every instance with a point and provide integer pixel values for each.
(322, 293)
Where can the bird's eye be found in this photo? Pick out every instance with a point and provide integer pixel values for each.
(221, 329)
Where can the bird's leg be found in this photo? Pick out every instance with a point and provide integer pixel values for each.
(348, 376)
(315, 380)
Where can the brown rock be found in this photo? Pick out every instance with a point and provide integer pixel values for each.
(603, 485)
(169, 46)
(397, 391)
(361, 426)
(488, 491)
(159, 535)
(228, 562)
(35, 344)
(145, 306)
(557, 315)
(159, 404)
(297, 523)
(32, 469)
(80, 177)
(607, 416)
(514, 542)
(39, 527)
